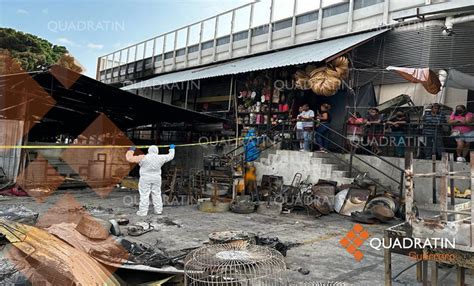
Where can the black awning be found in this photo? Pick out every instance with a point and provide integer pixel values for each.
(79, 99)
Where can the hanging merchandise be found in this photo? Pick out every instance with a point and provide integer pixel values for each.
(428, 78)
(325, 80)
(267, 94)
(253, 118)
(258, 106)
(301, 80)
(261, 103)
(276, 96)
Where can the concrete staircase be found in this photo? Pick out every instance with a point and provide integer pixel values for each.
(317, 166)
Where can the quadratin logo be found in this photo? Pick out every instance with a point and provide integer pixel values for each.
(354, 239)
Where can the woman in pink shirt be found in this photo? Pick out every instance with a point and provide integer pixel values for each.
(464, 134)
(355, 130)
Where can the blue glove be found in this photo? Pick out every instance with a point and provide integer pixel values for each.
(172, 146)
(132, 148)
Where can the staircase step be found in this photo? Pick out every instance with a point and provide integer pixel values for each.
(343, 181)
(340, 174)
(294, 153)
(317, 166)
(317, 161)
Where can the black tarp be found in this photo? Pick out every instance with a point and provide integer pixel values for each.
(78, 100)
(342, 102)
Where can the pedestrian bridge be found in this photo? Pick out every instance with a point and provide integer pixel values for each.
(259, 27)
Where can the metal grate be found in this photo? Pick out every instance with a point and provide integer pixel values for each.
(235, 264)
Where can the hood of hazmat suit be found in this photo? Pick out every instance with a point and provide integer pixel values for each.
(150, 165)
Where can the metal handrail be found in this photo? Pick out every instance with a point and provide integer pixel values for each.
(362, 160)
(367, 150)
(402, 171)
(243, 144)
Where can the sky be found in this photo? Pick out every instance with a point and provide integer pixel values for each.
(93, 28)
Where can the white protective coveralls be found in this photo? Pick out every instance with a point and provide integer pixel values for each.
(150, 177)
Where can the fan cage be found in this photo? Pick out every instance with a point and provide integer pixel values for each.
(235, 264)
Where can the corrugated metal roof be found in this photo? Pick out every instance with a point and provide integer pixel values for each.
(300, 55)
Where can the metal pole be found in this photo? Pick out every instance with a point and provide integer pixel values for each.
(320, 20)
(350, 16)
(451, 180)
(249, 36)
(230, 92)
(270, 26)
(174, 47)
(386, 10)
(351, 161)
(433, 169)
(472, 197)
(186, 98)
(153, 51)
(231, 39)
(402, 177)
(119, 63)
(293, 22)
(112, 73)
(409, 196)
(163, 53)
(201, 28)
(443, 195)
(216, 27)
(188, 30)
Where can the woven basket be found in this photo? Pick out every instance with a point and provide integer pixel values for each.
(325, 80)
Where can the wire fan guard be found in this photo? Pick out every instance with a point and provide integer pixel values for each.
(235, 264)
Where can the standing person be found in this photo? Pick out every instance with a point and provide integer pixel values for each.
(399, 125)
(322, 131)
(375, 129)
(150, 177)
(355, 130)
(299, 131)
(433, 131)
(252, 153)
(307, 117)
(464, 134)
(251, 148)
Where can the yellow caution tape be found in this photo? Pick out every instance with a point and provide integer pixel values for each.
(109, 146)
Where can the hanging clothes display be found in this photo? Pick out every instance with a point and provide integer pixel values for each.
(428, 78)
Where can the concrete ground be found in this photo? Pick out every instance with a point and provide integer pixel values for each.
(319, 252)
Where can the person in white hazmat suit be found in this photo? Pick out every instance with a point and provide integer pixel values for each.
(150, 177)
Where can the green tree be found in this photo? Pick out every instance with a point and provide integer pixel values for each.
(33, 53)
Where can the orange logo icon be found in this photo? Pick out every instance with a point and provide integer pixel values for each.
(354, 239)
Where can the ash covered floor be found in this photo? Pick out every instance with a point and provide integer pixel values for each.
(318, 252)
